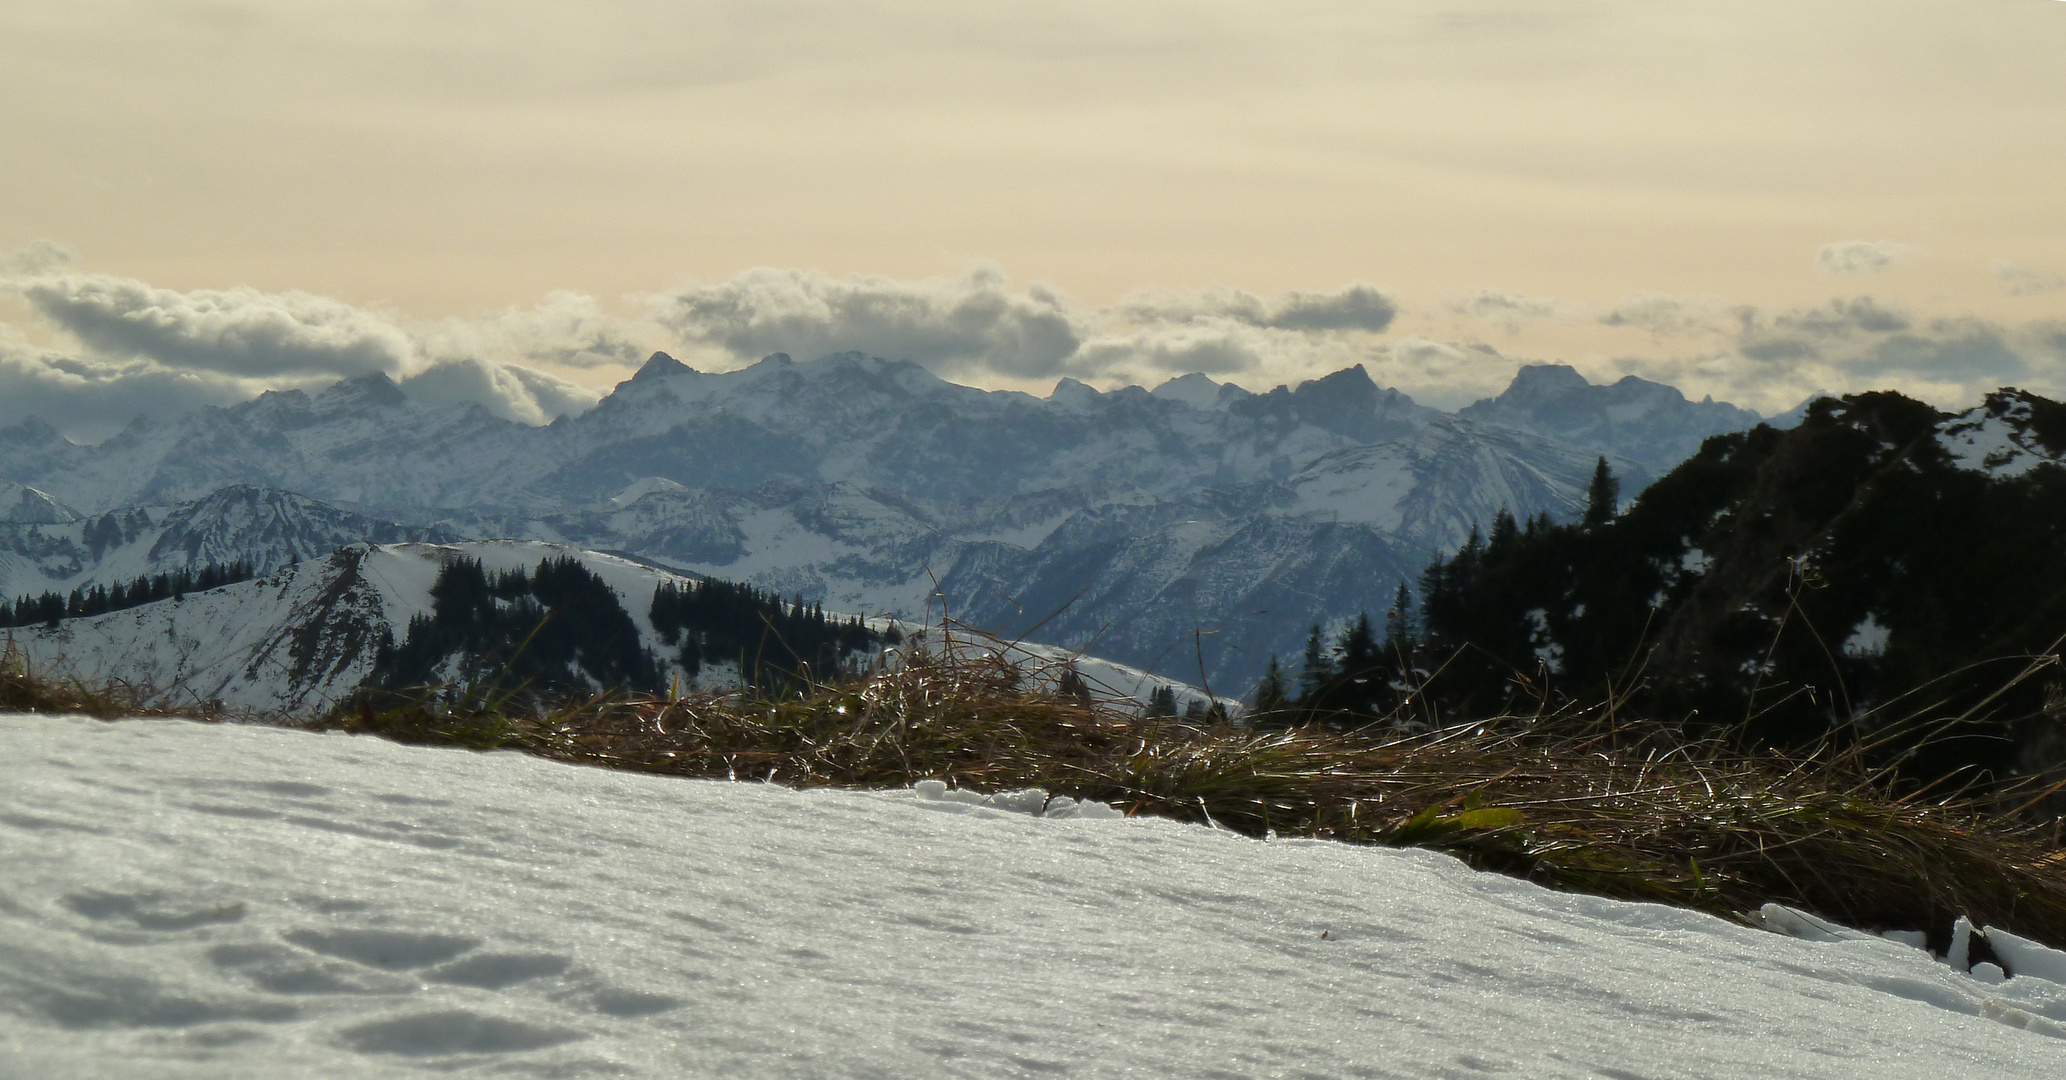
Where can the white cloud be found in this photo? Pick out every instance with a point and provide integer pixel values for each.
(2025, 280)
(160, 352)
(1848, 346)
(1149, 356)
(972, 323)
(506, 390)
(1506, 309)
(1664, 315)
(567, 329)
(240, 332)
(88, 400)
(1356, 307)
(39, 257)
(1861, 256)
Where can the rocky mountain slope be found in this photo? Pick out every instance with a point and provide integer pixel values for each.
(1194, 529)
(264, 528)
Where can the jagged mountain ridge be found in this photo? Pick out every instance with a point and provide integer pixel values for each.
(265, 528)
(1641, 420)
(859, 483)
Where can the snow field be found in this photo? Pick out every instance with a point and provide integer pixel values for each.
(186, 900)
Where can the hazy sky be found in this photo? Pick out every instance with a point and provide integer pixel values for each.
(511, 202)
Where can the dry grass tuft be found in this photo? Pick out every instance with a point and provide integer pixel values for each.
(1697, 826)
(23, 688)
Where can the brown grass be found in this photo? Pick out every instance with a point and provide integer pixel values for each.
(24, 689)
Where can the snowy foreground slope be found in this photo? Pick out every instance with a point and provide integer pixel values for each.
(182, 900)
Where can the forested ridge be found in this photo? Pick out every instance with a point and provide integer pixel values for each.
(52, 607)
(1781, 587)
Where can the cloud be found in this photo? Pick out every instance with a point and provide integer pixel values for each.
(972, 323)
(1853, 345)
(39, 257)
(1836, 319)
(1664, 315)
(2025, 280)
(506, 390)
(1150, 356)
(567, 329)
(1507, 309)
(215, 346)
(88, 400)
(1355, 307)
(1861, 256)
(239, 332)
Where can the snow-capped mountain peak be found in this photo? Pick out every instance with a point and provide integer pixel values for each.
(375, 391)
(1196, 390)
(1644, 421)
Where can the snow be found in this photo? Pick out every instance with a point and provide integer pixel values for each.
(186, 900)
(1025, 537)
(642, 487)
(1547, 651)
(1998, 443)
(1195, 390)
(1365, 485)
(1868, 638)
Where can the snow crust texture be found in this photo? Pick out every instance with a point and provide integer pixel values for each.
(183, 900)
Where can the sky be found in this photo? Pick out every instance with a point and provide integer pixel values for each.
(514, 203)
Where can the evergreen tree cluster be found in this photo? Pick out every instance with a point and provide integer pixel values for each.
(716, 621)
(557, 628)
(1359, 674)
(52, 607)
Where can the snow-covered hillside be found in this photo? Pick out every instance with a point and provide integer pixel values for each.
(223, 902)
(307, 634)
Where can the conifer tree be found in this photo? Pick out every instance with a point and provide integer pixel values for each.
(1271, 695)
(1399, 637)
(1504, 533)
(1602, 499)
(1318, 670)
(1357, 648)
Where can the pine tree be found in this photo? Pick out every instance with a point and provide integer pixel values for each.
(1357, 649)
(1318, 670)
(1602, 500)
(1504, 533)
(1271, 695)
(1399, 637)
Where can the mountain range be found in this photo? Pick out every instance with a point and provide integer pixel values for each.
(1192, 530)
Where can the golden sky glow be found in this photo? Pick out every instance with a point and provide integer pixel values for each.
(1509, 173)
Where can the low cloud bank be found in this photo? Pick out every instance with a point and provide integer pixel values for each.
(147, 351)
